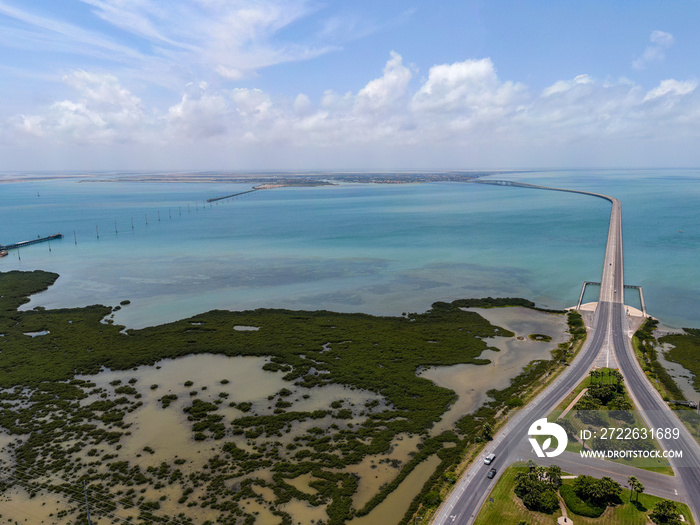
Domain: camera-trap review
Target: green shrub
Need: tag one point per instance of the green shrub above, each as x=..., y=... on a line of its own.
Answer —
x=577, y=505
x=432, y=499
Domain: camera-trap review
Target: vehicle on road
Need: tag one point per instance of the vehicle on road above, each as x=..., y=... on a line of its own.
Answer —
x=488, y=459
x=491, y=473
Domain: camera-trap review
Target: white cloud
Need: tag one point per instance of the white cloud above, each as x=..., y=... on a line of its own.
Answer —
x=252, y=103
x=471, y=86
x=233, y=39
x=661, y=39
x=562, y=86
x=30, y=125
x=135, y=16
x=229, y=73
x=197, y=116
x=168, y=43
x=45, y=34
x=333, y=100
x=104, y=91
x=656, y=51
x=671, y=88
x=463, y=106
x=105, y=112
x=302, y=104
x=383, y=92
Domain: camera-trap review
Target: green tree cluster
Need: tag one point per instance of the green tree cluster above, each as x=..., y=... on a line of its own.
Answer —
x=599, y=492
x=538, y=486
x=666, y=513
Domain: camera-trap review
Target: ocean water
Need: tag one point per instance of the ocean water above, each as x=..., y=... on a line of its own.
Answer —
x=381, y=249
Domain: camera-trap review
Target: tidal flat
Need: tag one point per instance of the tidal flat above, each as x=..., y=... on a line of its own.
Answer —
x=509, y=356
x=316, y=417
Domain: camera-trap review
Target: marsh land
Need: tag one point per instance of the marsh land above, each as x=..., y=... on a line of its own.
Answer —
x=264, y=416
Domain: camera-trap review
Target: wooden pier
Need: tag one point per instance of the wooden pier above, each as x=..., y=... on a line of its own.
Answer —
x=22, y=244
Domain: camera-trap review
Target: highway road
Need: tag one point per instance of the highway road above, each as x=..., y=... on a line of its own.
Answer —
x=609, y=323
x=651, y=406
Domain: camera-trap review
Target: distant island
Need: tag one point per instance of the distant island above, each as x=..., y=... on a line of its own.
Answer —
x=305, y=178
x=274, y=178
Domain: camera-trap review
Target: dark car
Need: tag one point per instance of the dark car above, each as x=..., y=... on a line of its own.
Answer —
x=491, y=473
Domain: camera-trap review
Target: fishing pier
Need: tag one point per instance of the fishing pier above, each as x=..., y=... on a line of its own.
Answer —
x=22, y=244
x=232, y=195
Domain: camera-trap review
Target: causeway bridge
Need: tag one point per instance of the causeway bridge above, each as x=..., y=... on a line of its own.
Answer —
x=609, y=332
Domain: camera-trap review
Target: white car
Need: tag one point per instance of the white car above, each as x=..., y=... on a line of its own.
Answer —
x=488, y=459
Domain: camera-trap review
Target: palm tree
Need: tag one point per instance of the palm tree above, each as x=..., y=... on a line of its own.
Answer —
x=636, y=486
x=554, y=476
x=640, y=489
x=618, y=379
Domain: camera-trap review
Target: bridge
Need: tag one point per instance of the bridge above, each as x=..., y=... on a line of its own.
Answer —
x=609, y=332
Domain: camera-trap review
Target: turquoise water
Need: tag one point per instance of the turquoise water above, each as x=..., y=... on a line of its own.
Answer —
x=382, y=249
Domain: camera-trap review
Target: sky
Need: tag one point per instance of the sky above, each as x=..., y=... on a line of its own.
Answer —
x=312, y=84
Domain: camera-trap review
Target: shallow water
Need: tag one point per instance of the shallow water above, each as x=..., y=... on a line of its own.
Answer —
x=303, y=513
x=168, y=434
x=471, y=382
x=374, y=474
x=167, y=430
x=302, y=483
x=16, y=506
x=392, y=509
x=373, y=248
x=525, y=321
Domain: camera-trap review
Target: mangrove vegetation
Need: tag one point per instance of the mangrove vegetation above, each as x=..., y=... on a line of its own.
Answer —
x=67, y=429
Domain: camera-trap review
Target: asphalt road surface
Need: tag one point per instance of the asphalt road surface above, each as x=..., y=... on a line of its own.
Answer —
x=661, y=485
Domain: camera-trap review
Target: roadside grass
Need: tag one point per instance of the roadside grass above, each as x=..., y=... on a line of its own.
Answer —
x=642, y=360
x=652, y=465
x=684, y=352
x=576, y=391
x=691, y=420
x=507, y=508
